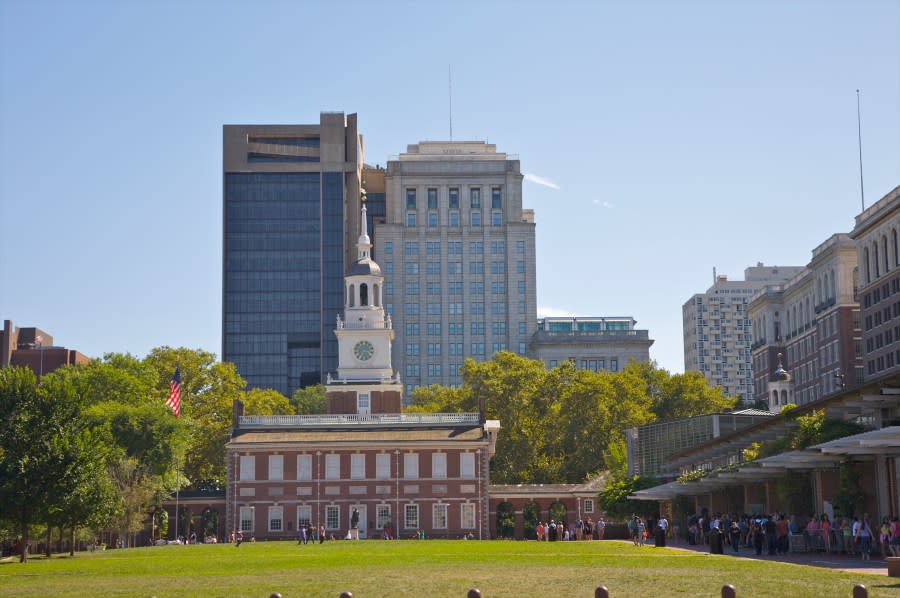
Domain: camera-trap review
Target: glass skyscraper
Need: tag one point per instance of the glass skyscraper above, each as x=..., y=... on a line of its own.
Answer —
x=290, y=200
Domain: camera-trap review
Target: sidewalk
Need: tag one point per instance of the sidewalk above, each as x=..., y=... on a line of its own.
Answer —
x=876, y=566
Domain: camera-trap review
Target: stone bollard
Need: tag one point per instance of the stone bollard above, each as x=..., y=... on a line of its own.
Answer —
x=474, y=593
x=601, y=592
x=346, y=594
x=728, y=591
x=275, y=595
x=860, y=591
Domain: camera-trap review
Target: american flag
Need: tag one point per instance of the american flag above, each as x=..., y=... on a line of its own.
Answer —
x=173, y=401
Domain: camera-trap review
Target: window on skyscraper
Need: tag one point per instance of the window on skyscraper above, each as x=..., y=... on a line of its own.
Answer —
x=496, y=198
x=454, y=198
x=475, y=198
x=432, y=199
x=410, y=199
x=475, y=217
x=432, y=219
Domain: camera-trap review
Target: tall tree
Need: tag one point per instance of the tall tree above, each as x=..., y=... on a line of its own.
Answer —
x=310, y=400
x=265, y=401
x=208, y=391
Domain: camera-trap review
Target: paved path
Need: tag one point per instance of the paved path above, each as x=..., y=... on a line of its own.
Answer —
x=875, y=566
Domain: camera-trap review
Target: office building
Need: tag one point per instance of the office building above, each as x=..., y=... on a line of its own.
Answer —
x=33, y=348
x=290, y=206
x=812, y=322
x=590, y=343
x=717, y=334
x=458, y=255
x=878, y=263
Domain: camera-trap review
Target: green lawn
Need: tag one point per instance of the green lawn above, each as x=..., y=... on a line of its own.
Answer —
x=433, y=568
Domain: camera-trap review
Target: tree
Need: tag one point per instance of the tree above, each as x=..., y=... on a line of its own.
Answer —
x=614, y=499
x=47, y=460
x=265, y=401
x=208, y=391
x=677, y=396
x=440, y=399
x=311, y=400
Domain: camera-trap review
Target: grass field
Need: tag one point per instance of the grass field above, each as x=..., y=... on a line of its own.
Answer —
x=433, y=568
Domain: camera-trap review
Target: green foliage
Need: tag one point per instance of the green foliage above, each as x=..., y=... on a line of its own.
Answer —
x=692, y=476
x=311, y=400
x=265, y=401
x=208, y=391
x=850, y=498
x=613, y=499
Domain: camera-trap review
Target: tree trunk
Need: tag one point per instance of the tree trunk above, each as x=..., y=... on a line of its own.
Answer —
x=72, y=541
x=23, y=547
x=47, y=550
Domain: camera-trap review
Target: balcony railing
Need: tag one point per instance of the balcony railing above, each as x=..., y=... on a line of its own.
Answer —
x=352, y=420
x=546, y=335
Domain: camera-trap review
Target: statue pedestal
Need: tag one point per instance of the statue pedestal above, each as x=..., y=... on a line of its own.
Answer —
x=354, y=533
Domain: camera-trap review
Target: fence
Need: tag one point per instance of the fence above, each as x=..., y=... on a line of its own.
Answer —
x=728, y=591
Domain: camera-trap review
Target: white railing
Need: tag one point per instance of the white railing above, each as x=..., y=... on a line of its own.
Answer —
x=354, y=419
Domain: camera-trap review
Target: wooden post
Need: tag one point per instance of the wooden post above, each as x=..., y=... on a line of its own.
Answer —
x=474, y=593
x=601, y=592
x=860, y=591
x=728, y=591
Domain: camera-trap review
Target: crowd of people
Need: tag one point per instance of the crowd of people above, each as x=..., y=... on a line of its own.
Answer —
x=554, y=531
x=780, y=533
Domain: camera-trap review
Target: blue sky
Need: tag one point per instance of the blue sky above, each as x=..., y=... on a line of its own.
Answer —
x=661, y=139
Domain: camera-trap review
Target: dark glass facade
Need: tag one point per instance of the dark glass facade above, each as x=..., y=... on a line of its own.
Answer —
x=283, y=276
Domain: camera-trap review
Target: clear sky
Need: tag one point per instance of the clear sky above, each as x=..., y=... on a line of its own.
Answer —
x=660, y=140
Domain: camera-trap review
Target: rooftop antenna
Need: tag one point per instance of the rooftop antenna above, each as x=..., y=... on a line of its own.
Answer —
x=862, y=192
x=450, y=94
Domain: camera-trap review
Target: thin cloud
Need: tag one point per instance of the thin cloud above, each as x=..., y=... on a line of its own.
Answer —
x=553, y=312
x=604, y=204
x=539, y=180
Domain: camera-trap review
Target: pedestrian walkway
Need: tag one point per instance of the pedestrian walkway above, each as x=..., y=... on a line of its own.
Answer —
x=875, y=566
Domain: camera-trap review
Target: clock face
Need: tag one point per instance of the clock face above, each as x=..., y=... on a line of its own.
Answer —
x=364, y=350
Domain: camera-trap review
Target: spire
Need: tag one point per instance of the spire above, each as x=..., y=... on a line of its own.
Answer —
x=364, y=244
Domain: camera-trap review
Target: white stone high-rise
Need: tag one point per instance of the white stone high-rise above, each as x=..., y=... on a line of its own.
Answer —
x=458, y=254
x=717, y=331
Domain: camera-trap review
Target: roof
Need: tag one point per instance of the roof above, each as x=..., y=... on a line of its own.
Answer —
x=383, y=435
x=364, y=268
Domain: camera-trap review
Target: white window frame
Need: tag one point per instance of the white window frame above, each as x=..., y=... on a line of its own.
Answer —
x=439, y=515
x=382, y=516
x=439, y=465
x=276, y=516
x=246, y=519
x=411, y=466
x=248, y=467
x=332, y=517
x=467, y=515
x=383, y=466
x=333, y=466
x=276, y=467
x=304, y=467
x=358, y=466
x=589, y=505
x=304, y=514
x=467, y=466
x=411, y=516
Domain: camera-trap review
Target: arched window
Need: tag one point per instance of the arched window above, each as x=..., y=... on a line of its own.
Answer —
x=363, y=294
x=877, y=263
x=833, y=287
x=531, y=516
x=819, y=296
x=884, y=250
x=868, y=271
x=376, y=295
x=351, y=295
x=774, y=399
x=896, y=247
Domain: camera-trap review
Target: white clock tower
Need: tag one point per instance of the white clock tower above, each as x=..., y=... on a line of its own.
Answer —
x=364, y=341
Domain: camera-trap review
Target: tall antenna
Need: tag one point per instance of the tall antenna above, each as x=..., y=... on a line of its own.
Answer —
x=450, y=94
x=862, y=192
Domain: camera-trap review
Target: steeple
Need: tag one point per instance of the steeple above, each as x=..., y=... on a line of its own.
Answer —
x=363, y=244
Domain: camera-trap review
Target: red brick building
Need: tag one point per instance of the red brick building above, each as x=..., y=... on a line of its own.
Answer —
x=33, y=348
